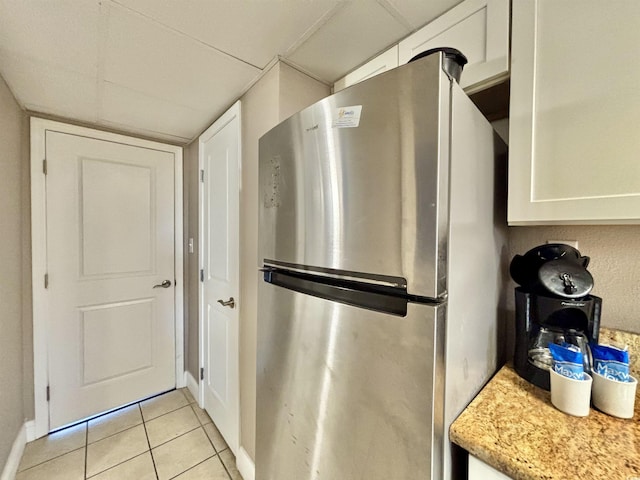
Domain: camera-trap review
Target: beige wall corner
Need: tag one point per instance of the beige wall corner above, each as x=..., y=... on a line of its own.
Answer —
x=12, y=399
x=279, y=94
x=27, y=298
x=298, y=91
x=191, y=262
x=259, y=114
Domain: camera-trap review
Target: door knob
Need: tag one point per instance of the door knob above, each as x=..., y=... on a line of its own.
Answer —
x=165, y=284
x=229, y=303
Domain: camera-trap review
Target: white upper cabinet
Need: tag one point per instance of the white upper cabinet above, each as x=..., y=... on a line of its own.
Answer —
x=480, y=30
x=574, y=136
x=383, y=62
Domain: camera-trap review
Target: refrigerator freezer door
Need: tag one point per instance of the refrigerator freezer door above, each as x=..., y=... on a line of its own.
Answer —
x=358, y=181
x=347, y=393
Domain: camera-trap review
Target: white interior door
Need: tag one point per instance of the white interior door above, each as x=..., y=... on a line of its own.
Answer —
x=219, y=160
x=110, y=240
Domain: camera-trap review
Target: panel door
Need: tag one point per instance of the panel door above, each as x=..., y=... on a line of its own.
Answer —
x=110, y=240
x=219, y=150
x=573, y=127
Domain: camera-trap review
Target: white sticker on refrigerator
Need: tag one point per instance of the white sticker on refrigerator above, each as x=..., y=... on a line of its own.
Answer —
x=347, y=117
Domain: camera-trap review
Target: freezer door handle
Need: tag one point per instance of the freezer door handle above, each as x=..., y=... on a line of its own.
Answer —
x=342, y=292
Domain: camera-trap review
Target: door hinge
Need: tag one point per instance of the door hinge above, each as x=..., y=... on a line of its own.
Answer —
x=202, y=275
x=202, y=373
x=48, y=393
x=44, y=166
x=202, y=176
x=46, y=280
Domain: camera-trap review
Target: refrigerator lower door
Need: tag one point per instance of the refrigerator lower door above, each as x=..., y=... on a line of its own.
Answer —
x=347, y=393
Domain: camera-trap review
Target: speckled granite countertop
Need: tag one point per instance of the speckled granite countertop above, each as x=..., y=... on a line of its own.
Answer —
x=512, y=426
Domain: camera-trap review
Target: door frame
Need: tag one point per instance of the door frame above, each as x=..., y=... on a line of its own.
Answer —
x=233, y=112
x=40, y=300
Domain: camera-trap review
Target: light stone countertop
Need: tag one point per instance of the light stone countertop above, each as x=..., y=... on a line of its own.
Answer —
x=512, y=426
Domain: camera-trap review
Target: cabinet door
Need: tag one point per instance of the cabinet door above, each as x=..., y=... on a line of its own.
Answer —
x=383, y=62
x=575, y=113
x=478, y=470
x=480, y=30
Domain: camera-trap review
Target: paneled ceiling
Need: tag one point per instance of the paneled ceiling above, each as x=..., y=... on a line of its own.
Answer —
x=168, y=68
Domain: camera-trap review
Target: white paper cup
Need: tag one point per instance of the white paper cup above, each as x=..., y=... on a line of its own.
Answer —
x=614, y=397
x=569, y=395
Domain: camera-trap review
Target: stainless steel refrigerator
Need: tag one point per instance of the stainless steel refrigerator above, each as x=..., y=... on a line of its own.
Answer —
x=382, y=242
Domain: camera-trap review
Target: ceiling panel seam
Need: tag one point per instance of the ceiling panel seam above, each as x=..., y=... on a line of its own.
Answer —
x=322, y=21
x=395, y=13
x=179, y=32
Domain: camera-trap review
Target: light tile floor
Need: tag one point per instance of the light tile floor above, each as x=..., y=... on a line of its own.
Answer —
x=162, y=438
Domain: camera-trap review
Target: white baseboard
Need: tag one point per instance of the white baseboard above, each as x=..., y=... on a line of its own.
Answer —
x=181, y=381
x=13, y=462
x=245, y=465
x=30, y=426
x=192, y=385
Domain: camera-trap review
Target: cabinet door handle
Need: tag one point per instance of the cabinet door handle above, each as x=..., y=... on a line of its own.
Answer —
x=229, y=303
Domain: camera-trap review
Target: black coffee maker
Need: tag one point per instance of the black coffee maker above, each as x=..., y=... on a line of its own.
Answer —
x=553, y=305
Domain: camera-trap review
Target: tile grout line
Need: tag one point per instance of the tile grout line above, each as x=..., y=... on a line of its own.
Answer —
x=136, y=425
x=215, y=449
x=126, y=459
x=215, y=453
x=114, y=434
x=109, y=412
x=114, y=466
x=165, y=413
x=195, y=405
x=224, y=466
x=193, y=409
x=208, y=438
x=48, y=460
x=132, y=426
x=138, y=404
x=218, y=452
x=144, y=425
x=181, y=435
x=199, y=463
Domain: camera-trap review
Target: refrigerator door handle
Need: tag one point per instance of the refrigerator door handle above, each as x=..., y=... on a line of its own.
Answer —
x=336, y=275
x=343, y=292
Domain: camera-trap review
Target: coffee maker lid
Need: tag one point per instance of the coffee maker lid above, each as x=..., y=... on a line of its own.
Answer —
x=524, y=269
x=565, y=278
